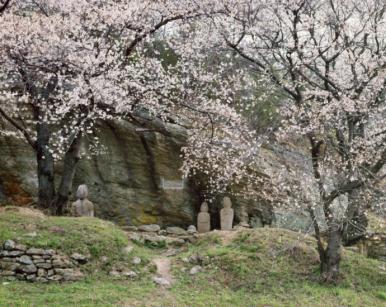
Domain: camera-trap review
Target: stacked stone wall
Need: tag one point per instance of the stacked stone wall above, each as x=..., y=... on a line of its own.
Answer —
x=38, y=265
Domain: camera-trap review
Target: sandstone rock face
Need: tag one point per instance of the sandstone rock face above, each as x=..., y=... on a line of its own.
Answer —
x=135, y=180
x=125, y=181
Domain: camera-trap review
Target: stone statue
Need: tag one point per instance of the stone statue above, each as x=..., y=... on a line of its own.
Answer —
x=82, y=207
x=203, y=219
x=226, y=214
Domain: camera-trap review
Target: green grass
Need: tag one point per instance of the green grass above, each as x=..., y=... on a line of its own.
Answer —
x=273, y=267
x=262, y=267
x=87, y=235
x=90, y=292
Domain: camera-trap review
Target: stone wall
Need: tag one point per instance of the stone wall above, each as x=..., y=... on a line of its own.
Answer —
x=38, y=265
x=374, y=246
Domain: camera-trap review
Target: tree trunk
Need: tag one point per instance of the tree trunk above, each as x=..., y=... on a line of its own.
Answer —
x=70, y=162
x=45, y=161
x=330, y=260
x=355, y=224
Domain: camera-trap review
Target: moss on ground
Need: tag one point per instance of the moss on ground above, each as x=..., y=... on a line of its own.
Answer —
x=262, y=267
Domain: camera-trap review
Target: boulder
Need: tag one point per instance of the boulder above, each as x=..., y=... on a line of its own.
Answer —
x=35, y=251
x=129, y=274
x=9, y=245
x=149, y=228
x=194, y=270
x=25, y=260
x=136, y=260
x=31, y=268
x=82, y=259
x=192, y=229
x=176, y=231
x=161, y=281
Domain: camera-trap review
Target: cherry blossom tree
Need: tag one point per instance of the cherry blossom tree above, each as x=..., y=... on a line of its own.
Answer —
x=329, y=60
x=64, y=65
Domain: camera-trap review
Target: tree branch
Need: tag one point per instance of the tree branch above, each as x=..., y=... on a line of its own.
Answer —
x=4, y=6
x=19, y=127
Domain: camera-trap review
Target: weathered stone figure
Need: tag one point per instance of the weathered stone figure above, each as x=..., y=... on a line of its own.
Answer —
x=203, y=219
x=226, y=214
x=82, y=207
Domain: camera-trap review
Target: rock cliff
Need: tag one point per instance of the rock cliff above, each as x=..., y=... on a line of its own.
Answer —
x=136, y=179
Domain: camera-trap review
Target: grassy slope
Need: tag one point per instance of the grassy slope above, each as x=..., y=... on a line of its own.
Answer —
x=265, y=267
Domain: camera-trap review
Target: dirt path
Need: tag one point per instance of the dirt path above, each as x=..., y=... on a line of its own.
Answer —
x=163, y=268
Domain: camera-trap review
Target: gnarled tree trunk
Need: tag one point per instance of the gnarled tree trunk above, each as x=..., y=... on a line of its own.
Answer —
x=70, y=162
x=330, y=258
x=45, y=161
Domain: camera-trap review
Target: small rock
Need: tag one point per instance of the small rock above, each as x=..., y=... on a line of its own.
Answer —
x=7, y=259
x=135, y=237
x=31, y=277
x=44, y=265
x=9, y=266
x=175, y=241
x=50, y=272
x=31, y=234
x=20, y=247
x=61, y=262
x=49, y=252
x=136, y=260
x=35, y=251
x=42, y=272
x=42, y=279
x=7, y=273
x=162, y=232
x=192, y=229
x=130, y=228
x=13, y=253
x=104, y=259
x=29, y=268
x=82, y=259
x=55, y=278
x=149, y=228
x=195, y=259
x=128, y=249
x=194, y=270
x=130, y=274
x=72, y=275
x=25, y=260
x=161, y=281
x=154, y=238
x=172, y=252
x=176, y=231
x=9, y=245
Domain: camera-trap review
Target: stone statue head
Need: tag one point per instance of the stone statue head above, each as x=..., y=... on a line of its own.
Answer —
x=204, y=207
x=227, y=202
x=82, y=192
